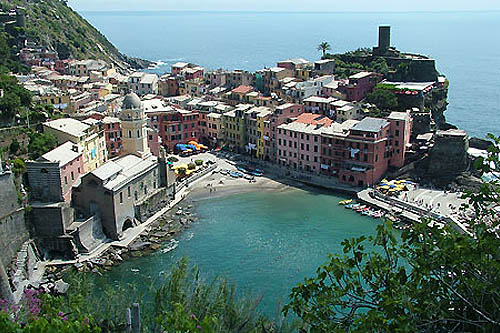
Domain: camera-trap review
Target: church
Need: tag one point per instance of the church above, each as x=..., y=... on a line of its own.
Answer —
x=126, y=190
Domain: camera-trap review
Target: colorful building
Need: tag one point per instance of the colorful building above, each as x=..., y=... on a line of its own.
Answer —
x=52, y=176
x=90, y=139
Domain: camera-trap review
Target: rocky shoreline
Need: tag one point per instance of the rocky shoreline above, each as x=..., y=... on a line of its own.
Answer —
x=160, y=233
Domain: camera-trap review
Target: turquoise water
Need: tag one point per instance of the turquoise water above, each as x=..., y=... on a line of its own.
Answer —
x=265, y=242
x=465, y=45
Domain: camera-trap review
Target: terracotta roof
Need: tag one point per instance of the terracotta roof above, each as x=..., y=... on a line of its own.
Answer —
x=313, y=119
x=242, y=90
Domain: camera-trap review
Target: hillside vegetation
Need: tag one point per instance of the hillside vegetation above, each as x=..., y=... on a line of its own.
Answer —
x=54, y=24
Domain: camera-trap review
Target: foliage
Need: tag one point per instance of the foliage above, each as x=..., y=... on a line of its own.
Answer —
x=19, y=167
x=54, y=24
x=191, y=166
x=36, y=314
x=179, y=320
x=323, y=47
x=181, y=172
x=198, y=162
x=182, y=303
x=40, y=143
x=383, y=98
x=15, y=97
x=428, y=280
x=213, y=304
x=14, y=147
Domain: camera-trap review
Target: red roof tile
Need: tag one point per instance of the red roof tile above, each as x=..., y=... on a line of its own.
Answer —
x=314, y=119
x=242, y=90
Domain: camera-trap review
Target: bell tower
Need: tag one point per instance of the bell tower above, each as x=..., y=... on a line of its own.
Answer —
x=133, y=121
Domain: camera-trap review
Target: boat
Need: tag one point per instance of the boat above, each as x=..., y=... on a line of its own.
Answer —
x=234, y=174
x=366, y=212
x=355, y=206
x=349, y=206
x=223, y=172
x=361, y=208
x=345, y=202
x=257, y=173
x=378, y=214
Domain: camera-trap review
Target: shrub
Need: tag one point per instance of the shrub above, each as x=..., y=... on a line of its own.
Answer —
x=191, y=166
x=19, y=166
x=198, y=162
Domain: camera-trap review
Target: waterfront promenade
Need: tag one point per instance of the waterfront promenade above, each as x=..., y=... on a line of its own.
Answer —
x=441, y=207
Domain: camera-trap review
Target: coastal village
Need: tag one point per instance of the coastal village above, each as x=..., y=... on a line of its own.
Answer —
x=130, y=145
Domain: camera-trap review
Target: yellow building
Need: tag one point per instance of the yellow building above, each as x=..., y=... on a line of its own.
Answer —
x=91, y=140
x=235, y=127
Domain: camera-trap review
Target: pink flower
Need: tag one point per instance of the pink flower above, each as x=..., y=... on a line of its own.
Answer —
x=198, y=327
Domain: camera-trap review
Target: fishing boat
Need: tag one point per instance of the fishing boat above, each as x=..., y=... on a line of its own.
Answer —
x=378, y=214
x=349, y=206
x=345, y=202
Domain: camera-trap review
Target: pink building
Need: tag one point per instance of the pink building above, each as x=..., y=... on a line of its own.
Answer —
x=154, y=141
x=52, y=176
x=299, y=142
x=401, y=125
x=113, y=134
x=360, y=85
x=360, y=152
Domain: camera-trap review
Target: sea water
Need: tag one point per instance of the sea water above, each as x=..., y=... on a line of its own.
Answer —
x=263, y=242
x=465, y=45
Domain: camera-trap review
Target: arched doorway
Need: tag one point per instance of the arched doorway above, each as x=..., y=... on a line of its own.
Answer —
x=127, y=225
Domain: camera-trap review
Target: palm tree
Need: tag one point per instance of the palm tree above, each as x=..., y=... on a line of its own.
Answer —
x=323, y=47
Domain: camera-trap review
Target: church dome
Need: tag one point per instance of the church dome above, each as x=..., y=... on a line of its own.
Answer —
x=131, y=101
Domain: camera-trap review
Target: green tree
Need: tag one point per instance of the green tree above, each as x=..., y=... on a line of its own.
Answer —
x=14, y=147
x=383, y=98
x=323, y=47
x=19, y=166
x=40, y=143
x=427, y=280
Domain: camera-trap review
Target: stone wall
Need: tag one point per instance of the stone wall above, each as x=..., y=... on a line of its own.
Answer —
x=153, y=204
x=13, y=228
x=448, y=157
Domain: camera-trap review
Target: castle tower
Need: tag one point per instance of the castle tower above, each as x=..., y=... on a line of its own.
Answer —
x=133, y=121
x=384, y=37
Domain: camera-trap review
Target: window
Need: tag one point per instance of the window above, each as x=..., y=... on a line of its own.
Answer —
x=121, y=197
x=315, y=149
x=129, y=134
x=66, y=180
x=72, y=175
x=397, y=133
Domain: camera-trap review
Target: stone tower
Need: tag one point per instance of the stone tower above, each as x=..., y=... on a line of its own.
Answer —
x=133, y=121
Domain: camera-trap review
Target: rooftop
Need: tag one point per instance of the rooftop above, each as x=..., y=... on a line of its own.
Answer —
x=360, y=75
x=68, y=125
x=302, y=128
x=399, y=116
x=313, y=119
x=369, y=124
x=242, y=90
x=419, y=86
x=63, y=154
x=318, y=99
x=118, y=172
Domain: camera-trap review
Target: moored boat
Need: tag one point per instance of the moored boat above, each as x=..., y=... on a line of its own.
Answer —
x=345, y=202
